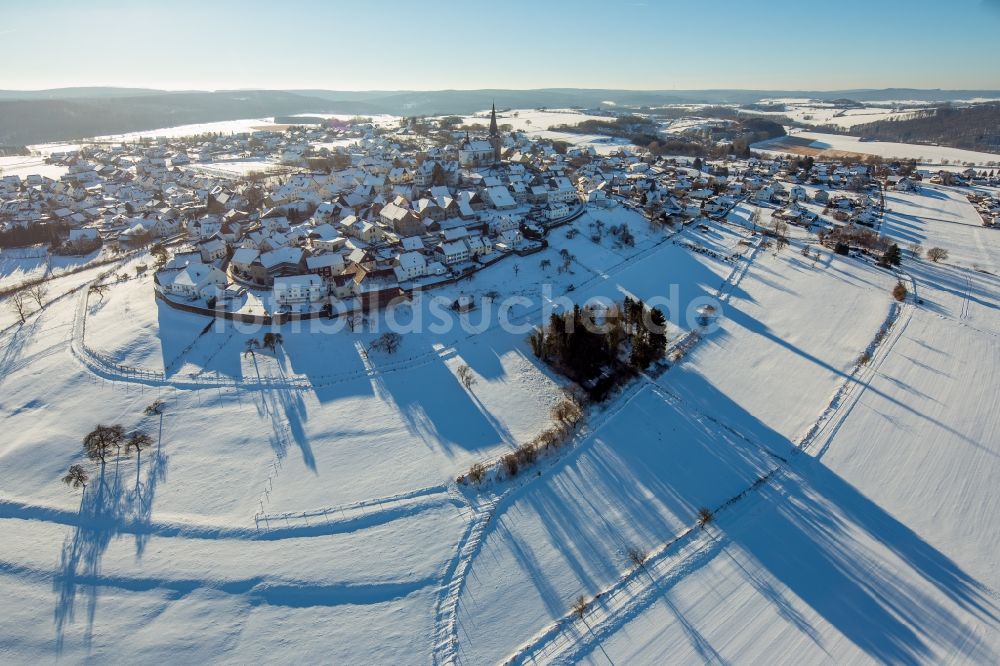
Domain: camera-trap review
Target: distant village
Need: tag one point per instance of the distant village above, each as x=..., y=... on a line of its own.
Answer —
x=359, y=214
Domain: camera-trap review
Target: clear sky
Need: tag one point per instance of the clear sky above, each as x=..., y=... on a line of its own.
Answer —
x=429, y=44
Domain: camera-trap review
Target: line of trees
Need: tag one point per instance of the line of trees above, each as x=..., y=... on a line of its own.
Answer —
x=854, y=236
x=50, y=233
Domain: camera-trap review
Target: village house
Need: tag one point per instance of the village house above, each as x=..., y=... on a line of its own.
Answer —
x=212, y=249
x=196, y=280
x=295, y=289
x=325, y=265
x=283, y=262
x=403, y=221
x=452, y=252
x=410, y=265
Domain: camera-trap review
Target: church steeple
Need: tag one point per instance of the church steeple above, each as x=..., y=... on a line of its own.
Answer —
x=494, y=135
x=493, y=121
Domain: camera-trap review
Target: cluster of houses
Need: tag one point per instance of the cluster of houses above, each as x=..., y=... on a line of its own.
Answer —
x=988, y=208
x=363, y=214
x=966, y=178
x=680, y=191
x=366, y=234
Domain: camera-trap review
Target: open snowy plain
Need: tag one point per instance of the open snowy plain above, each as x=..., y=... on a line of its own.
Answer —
x=302, y=505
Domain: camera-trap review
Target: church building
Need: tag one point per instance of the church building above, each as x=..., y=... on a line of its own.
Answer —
x=481, y=152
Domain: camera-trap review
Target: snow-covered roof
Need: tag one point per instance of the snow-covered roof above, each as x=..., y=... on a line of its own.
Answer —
x=326, y=260
x=283, y=255
x=304, y=281
x=412, y=260
x=244, y=255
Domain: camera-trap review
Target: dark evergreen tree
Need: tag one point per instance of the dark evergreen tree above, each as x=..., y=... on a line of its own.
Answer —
x=892, y=256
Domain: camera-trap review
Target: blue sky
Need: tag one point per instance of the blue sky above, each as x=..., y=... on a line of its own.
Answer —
x=427, y=45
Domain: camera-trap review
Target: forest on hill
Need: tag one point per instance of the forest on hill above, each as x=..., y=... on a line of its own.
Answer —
x=975, y=127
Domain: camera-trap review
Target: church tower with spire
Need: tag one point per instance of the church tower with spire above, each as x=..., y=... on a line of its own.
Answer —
x=494, y=135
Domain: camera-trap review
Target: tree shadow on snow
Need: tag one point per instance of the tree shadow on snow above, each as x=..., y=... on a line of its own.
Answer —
x=438, y=409
x=113, y=504
x=807, y=534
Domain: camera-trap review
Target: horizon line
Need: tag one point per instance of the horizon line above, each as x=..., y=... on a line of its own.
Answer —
x=539, y=89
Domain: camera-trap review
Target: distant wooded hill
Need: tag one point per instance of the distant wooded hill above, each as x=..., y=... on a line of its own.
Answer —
x=975, y=127
x=71, y=113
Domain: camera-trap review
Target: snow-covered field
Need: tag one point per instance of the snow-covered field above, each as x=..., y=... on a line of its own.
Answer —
x=880, y=544
x=942, y=217
x=177, y=131
x=236, y=168
x=18, y=265
x=532, y=120
x=818, y=113
x=819, y=143
x=301, y=504
x=221, y=127
x=30, y=165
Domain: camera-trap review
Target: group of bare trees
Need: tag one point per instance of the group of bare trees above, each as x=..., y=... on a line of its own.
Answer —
x=106, y=440
x=20, y=301
x=271, y=341
x=779, y=230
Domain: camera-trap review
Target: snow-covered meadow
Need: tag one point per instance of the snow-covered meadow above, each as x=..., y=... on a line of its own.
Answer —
x=820, y=143
x=301, y=504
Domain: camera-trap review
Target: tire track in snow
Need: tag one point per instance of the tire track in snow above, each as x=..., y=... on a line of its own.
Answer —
x=363, y=515
x=445, y=638
x=400, y=505
x=258, y=590
x=847, y=395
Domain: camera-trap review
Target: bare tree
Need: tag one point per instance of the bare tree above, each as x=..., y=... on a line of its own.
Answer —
x=137, y=440
x=155, y=407
x=580, y=607
x=38, y=293
x=387, y=342
x=566, y=412
x=937, y=254
x=466, y=376
x=916, y=249
x=99, y=289
x=98, y=443
x=780, y=230
x=637, y=556
x=160, y=254
x=272, y=340
x=19, y=305
x=704, y=516
x=477, y=472
x=76, y=477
